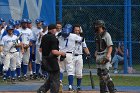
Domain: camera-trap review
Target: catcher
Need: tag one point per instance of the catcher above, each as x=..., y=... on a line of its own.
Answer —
x=103, y=56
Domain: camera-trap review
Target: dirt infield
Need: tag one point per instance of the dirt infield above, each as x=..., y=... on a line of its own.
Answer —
x=70, y=92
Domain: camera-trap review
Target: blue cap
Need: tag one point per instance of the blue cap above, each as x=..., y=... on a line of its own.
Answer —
x=10, y=27
x=17, y=22
x=45, y=24
x=11, y=21
x=37, y=21
x=24, y=20
x=2, y=20
x=29, y=21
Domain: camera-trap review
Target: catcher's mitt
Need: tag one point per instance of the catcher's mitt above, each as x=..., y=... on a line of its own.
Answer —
x=104, y=61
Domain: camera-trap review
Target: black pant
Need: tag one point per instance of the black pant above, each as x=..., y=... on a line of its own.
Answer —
x=52, y=83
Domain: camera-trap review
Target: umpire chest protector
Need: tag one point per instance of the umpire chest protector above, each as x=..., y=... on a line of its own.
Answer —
x=100, y=42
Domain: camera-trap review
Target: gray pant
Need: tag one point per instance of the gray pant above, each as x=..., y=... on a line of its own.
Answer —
x=51, y=83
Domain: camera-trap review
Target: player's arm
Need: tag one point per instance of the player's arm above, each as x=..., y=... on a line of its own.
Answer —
x=109, y=45
x=86, y=50
x=19, y=44
x=55, y=48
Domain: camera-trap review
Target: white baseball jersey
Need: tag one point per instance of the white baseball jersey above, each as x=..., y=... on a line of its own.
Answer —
x=79, y=47
x=1, y=33
x=68, y=44
x=26, y=35
x=37, y=35
x=8, y=43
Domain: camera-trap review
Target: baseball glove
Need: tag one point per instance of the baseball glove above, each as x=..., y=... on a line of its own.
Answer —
x=104, y=61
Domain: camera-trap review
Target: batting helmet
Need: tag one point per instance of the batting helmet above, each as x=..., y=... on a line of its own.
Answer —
x=99, y=23
x=69, y=26
x=65, y=32
x=10, y=27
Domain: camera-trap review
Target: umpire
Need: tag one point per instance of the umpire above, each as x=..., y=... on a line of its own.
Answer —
x=50, y=51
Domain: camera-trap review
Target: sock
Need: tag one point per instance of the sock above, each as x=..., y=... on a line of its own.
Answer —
x=1, y=68
x=37, y=68
x=79, y=82
x=61, y=76
x=18, y=71
x=4, y=74
x=25, y=69
x=33, y=66
x=8, y=74
x=13, y=74
x=22, y=67
x=70, y=79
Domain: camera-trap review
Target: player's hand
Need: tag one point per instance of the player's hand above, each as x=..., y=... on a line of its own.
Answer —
x=63, y=56
x=88, y=56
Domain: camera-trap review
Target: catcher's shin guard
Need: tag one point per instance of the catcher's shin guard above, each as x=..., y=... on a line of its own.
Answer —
x=102, y=86
x=110, y=86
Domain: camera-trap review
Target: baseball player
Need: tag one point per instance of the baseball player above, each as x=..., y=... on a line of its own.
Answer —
x=67, y=43
x=58, y=27
x=1, y=32
x=78, y=52
x=3, y=23
x=26, y=37
x=18, y=65
x=32, y=52
x=103, y=56
x=37, y=34
x=10, y=42
x=17, y=24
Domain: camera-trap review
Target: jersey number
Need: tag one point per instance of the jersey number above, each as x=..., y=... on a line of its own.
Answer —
x=66, y=42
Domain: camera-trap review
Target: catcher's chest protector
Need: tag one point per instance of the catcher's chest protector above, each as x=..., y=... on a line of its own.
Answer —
x=100, y=42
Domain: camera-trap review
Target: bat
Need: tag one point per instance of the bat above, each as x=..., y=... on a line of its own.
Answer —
x=91, y=77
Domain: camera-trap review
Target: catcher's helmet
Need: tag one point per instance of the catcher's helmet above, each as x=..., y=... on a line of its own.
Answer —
x=99, y=23
x=10, y=27
x=66, y=32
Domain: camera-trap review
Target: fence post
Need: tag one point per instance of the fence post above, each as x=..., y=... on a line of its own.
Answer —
x=129, y=31
x=60, y=10
x=125, y=35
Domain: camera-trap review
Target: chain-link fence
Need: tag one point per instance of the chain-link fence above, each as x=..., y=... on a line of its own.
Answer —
x=113, y=12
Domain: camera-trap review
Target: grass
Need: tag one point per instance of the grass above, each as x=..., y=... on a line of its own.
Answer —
x=118, y=80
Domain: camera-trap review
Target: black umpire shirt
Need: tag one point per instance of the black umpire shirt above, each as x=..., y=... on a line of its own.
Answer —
x=48, y=43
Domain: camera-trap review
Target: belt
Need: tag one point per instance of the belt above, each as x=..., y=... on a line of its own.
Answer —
x=13, y=52
x=69, y=52
x=77, y=54
x=101, y=53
